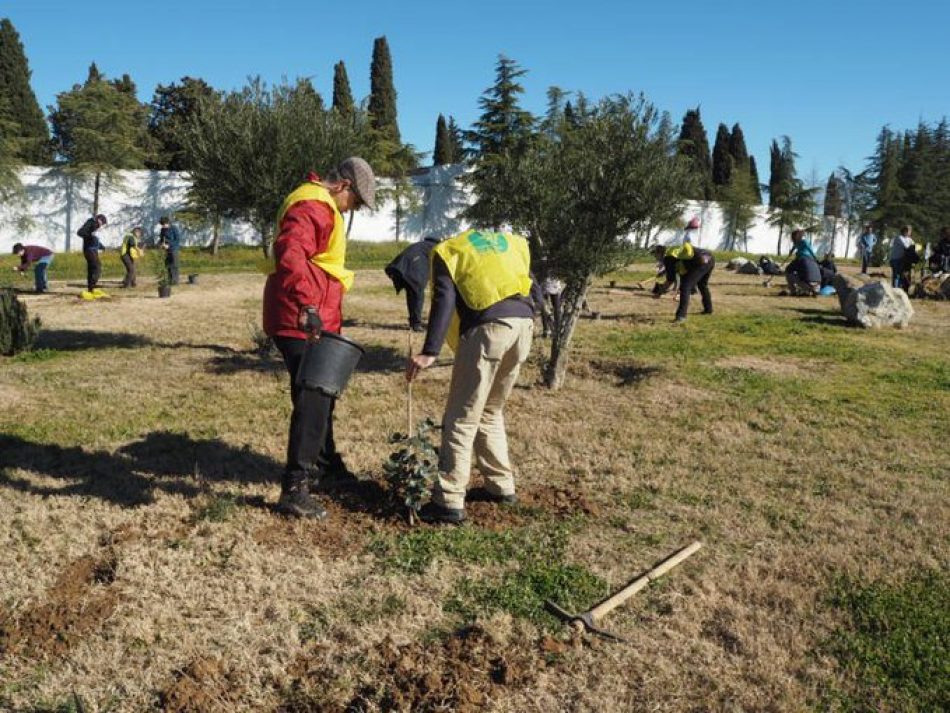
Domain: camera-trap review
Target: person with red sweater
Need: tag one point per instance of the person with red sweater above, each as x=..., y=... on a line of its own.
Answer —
x=34, y=255
x=302, y=297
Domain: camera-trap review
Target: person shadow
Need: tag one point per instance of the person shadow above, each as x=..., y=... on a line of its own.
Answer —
x=162, y=461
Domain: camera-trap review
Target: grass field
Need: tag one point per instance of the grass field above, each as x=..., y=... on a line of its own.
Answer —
x=143, y=568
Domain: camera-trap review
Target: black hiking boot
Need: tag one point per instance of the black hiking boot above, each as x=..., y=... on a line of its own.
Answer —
x=295, y=499
x=438, y=515
x=334, y=475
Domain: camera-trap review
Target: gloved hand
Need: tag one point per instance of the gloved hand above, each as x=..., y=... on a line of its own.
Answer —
x=310, y=321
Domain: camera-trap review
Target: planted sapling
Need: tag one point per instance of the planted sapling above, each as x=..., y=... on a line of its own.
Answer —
x=412, y=467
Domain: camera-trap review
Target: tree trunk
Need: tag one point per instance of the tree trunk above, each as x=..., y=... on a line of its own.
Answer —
x=834, y=233
x=215, y=234
x=562, y=333
x=847, y=241
x=95, y=195
x=781, y=227
x=266, y=244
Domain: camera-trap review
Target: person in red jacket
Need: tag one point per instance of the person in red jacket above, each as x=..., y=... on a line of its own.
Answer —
x=303, y=296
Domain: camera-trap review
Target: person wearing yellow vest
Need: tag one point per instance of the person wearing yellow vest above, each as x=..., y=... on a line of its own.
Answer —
x=129, y=252
x=302, y=297
x=693, y=266
x=483, y=305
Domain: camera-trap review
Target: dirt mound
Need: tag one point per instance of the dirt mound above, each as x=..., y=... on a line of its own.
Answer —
x=77, y=604
x=461, y=673
x=203, y=686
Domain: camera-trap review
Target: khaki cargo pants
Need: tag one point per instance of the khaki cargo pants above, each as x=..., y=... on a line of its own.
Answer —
x=486, y=367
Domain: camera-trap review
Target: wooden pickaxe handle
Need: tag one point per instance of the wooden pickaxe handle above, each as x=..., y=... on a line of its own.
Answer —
x=615, y=600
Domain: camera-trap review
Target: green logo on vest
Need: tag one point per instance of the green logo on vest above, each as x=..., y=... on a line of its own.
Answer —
x=489, y=242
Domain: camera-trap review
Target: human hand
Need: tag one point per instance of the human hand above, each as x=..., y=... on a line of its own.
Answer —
x=417, y=363
x=309, y=321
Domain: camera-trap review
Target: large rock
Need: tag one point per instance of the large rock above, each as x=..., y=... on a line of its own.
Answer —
x=749, y=268
x=875, y=304
x=736, y=263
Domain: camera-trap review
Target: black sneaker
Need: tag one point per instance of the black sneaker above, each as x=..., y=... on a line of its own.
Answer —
x=297, y=502
x=335, y=475
x=434, y=513
x=417, y=328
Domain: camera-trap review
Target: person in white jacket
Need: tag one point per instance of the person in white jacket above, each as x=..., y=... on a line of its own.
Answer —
x=902, y=247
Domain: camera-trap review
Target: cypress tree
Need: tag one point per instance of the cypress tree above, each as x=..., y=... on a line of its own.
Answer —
x=722, y=160
x=756, y=183
x=737, y=148
x=694, y=144
x=342, y=95
x=382, y=96
x=442, y=153
x=20, y=106
x=832, y=207
x=173, y=105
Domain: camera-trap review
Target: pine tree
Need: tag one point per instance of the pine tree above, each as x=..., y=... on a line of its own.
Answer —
x=442, y=153
x=342, y=95
x=98, y=129
x=94, y=75
x=458, y=141
x=382, y=97
x=756, y=183
x=21, y=109
x=694, y=144
x=126, y=85
x=498, y=138
x=722, y=161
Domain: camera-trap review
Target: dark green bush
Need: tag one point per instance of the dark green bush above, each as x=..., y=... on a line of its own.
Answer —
x=17, y=330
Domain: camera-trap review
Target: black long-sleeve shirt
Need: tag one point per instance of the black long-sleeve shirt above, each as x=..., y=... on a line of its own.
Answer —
x=90, y=241
x=446, y=299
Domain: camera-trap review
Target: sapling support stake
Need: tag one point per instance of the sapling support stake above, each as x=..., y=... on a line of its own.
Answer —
x=409, y=385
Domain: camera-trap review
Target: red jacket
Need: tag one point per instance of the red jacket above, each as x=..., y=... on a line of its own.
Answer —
x=297, y=282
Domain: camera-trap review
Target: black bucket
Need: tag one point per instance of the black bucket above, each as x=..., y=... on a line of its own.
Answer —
x=328, y=363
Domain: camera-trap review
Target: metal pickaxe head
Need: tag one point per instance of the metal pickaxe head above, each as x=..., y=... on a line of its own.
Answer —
x=583, y=621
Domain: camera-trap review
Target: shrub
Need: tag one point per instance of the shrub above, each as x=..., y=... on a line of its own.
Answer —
x=17, y=331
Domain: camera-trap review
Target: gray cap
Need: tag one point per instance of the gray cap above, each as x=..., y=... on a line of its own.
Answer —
x=361, y=177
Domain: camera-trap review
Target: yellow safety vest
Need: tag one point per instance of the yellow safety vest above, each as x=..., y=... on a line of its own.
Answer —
x=681, y=253
x=129, y=248
x=486, y=269
x=332, y=260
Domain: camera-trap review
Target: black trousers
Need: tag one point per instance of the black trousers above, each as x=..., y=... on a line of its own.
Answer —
x=698, y=277
x=310, y=444
x=415, y=301
x=129, y=280
x=171, y=264
x=93, y=268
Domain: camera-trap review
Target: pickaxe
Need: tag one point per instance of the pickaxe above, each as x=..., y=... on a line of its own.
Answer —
x=590, y=619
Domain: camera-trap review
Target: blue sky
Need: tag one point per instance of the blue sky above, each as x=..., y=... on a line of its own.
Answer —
x=827, y=74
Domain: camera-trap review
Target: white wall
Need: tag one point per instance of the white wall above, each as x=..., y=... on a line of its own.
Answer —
x=57, y=205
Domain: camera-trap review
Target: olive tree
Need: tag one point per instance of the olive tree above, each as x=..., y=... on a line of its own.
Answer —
x=583, y=189
x=248, y=150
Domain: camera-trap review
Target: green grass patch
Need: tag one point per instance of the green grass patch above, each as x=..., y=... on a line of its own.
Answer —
x=522, y=593
x=414, y=551
x=216, y=508
x=895, y=643
x=36, y=356
x=230, y=258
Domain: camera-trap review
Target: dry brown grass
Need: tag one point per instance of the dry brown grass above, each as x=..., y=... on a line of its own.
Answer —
x=151, y=439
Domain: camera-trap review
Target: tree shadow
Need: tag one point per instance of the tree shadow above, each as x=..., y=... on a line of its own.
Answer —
x=627, y=374
x=162, y=461
x=378, y=359
x=245, y=361
x=71, y=340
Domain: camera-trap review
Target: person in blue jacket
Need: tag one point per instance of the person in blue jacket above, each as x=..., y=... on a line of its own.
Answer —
x=866, y=242
x=803, y=274
x=170, y=241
